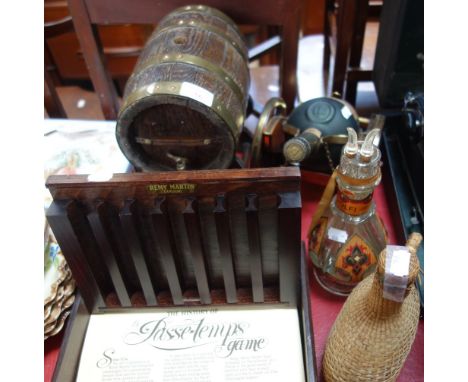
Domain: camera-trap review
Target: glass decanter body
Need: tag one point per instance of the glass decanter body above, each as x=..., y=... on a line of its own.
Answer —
x=345, y=243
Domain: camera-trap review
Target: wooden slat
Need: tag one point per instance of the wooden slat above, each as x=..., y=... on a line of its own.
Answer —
x=192, y=225
x=128, y=225
x=268, y=227
x=264, y=47
x=73, y=339
x=375, y=8
x=107, y=253
x=278, y=177
x=239, y=239
x=94, y=57
x=306, y=314
x=58, y=27
x=357, y=74
x=52, y=102
x=163, y=235
x=289, y=54
x=362, y=11
x=225, y=249
x=57, y=216
x=120, y=250
x=289, y=245
x=255, y=257
x=345, y=23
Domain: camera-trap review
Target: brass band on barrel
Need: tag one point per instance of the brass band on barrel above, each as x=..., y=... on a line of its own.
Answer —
x=196, y=61
x=173, y=88
x=204, y=10
x=201, y=26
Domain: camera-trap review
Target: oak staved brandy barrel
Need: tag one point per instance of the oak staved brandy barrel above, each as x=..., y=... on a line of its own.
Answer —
x=185, y=102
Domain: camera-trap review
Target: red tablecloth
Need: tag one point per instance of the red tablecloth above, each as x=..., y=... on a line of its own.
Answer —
x=325, y=306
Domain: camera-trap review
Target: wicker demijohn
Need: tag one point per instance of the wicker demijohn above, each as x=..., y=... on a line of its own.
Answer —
x=372, y=336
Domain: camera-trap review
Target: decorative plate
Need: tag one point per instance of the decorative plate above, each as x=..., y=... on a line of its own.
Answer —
x=55, y=268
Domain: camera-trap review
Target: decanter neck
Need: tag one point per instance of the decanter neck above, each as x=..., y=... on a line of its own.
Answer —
x=359, y=170
x=350, y=205
x=357, y=188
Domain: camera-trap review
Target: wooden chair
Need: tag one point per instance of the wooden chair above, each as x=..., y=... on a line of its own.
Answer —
x=52, y=102
x=87, y=14
x=345, y=23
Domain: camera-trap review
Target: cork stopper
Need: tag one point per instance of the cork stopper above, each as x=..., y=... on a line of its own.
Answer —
x=412, y=244
x=299, y=148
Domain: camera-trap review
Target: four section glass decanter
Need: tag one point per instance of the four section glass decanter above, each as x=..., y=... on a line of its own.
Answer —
x=346, y=241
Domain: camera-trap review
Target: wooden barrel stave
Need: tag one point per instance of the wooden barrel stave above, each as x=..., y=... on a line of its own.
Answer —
x=161, y=123
x=181, y=72
x=208, y=22
x=225, y=60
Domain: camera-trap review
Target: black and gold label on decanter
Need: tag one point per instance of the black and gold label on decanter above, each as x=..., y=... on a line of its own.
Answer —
x=353, y=207
x=354, y=259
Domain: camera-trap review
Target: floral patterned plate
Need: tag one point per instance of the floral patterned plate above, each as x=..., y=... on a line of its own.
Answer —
x=71, y=147
x=55, y=268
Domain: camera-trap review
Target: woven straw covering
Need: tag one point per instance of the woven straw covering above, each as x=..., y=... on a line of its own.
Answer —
x=372, y=336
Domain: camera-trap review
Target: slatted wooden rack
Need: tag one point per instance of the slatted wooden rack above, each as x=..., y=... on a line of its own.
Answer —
x=182, y=238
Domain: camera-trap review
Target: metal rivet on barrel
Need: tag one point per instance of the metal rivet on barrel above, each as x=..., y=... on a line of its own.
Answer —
x=200, y=7
x=181, y=22
x=180, y=40
x=188, y=8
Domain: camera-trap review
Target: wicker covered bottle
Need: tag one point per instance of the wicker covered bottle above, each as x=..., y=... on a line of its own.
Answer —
x=373, y=335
